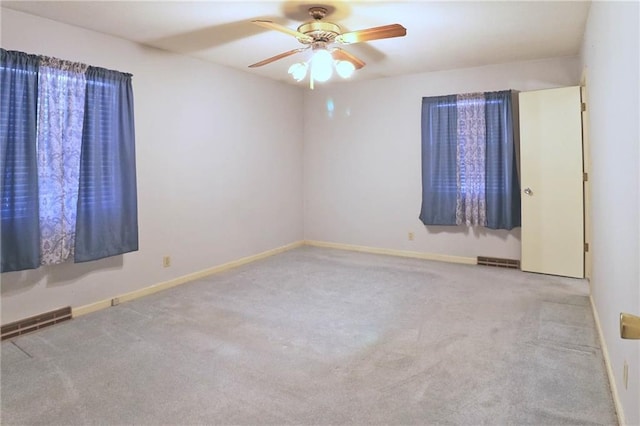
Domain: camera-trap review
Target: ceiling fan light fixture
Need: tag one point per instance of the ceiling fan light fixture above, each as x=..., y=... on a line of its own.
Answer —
x=319, y=35
x=345, y=69
x=298, y=71
x=321, y=65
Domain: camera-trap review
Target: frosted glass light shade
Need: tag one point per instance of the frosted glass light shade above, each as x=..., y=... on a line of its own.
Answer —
x=322, y=65
x=345, y=69
x=298, y=71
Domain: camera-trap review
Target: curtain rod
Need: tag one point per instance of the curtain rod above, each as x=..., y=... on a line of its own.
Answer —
x=39, y=56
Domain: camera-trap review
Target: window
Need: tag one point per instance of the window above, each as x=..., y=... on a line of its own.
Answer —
x=99, y=155
x=468, y=161
x=68, y=162
x=18, y=122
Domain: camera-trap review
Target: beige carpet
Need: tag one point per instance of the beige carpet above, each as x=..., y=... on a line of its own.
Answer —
x=318, y=336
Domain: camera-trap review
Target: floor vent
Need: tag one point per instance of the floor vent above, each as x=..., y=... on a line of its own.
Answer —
x=36, y=322
x=500, y=263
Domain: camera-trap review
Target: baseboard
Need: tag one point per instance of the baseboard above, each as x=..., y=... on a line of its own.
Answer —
x=93, y=307
x=607, y=362
x=392, y=252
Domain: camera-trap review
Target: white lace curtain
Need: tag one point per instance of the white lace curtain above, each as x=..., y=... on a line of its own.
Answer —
x=61, y=101
x=471, y=208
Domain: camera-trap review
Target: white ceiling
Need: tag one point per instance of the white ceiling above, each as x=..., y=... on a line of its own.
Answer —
x=440, y=35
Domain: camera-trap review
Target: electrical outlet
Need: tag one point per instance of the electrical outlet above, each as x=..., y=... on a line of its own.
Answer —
x=115, y=301
x=410, y=236
x=166, y=261
x=625, y=374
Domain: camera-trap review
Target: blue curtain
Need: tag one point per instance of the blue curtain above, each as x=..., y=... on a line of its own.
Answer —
x=20, y=233
x=502, y=184
x=442, y=139
x=439, y=147
x=107, y=221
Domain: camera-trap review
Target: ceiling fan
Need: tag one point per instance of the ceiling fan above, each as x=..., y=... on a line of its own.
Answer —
x=318, y=36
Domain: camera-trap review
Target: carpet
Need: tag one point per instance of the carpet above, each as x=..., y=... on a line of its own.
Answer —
x=321, y=336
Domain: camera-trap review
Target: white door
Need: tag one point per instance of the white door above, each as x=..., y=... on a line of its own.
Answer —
x=551, y=181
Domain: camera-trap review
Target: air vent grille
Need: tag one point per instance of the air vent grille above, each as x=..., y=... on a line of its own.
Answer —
x=36, y=322
x=498, y=262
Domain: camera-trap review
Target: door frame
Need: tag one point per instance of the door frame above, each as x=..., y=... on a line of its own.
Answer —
x=586, y=184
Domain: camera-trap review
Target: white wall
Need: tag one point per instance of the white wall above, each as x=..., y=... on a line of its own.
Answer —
x=362, y=165
x=219, y=162
x=611, y=57
x=220, y=168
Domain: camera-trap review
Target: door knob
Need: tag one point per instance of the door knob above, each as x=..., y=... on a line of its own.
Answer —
x=629, y=326
x=528, y=191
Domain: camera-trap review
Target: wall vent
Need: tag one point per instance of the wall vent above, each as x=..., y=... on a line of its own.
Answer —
x=500, y=263
x=36, y=322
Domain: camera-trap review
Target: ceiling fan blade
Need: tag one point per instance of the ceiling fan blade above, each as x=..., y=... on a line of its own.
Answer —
x=273, y=26
x=342, y=55
x=275, y=58
x=376, y=33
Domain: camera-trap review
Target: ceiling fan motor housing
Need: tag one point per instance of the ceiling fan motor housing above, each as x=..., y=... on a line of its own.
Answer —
x=320, y=31
x=317, y=35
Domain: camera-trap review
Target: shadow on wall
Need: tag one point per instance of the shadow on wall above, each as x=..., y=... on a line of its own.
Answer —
x=477, y=231
x=55, y=275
